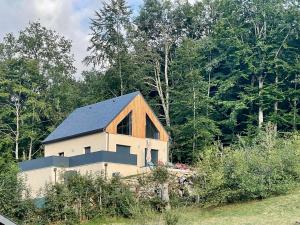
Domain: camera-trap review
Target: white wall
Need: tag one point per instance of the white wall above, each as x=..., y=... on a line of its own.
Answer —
x=104, y=141
x=75, y=146
x=36, y=180
x=138, y=146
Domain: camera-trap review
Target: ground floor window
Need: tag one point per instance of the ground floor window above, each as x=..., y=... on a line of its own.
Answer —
x=153, y=156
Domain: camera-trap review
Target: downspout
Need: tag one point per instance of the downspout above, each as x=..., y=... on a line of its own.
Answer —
x=55, y=170
x=107, y=141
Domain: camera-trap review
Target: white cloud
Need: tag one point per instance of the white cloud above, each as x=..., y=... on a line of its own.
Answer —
x=70, y=18
x=67, y=17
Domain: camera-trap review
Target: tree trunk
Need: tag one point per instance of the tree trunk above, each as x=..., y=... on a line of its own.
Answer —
x=208, y=91
x=276, y=106
x=167, y=91
x=30, y=149
x=17, y=136
x=121, y=78
x=295, y=115
x=194, y=120
x=119, y=56
x=165, y=195
x=260, y=109
x=164, y=97
x=295, y=102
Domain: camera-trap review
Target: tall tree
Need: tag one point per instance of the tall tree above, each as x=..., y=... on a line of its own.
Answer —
x=193, y=127
x=37, y=87
x=157, y=28
x=108, y=43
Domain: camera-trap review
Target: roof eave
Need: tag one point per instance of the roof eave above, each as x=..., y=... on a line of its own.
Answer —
x=73, y=136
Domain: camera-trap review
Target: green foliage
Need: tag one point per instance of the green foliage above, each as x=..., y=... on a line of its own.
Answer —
x=14, y=201
x=120, y=198
x=171, y=218
x=256, y=169
x=222, y=55
x=58, y=205
x=210, y=67
x=160, y=174
x=206, y=69
x=109, y=42
x=36, y=88
x=83, y=197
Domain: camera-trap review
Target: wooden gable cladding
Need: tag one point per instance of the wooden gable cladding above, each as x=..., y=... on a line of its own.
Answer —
x=139, y=108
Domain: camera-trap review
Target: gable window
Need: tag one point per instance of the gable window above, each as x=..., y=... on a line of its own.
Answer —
x=87, y=150
x=125, y=126
x=151, y=130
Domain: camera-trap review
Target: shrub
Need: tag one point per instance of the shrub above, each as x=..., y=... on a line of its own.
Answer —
x=13, y=193
x=250, y=169
x=120, y=198
x=160, y=174
x=83, y=197
x=59, y=205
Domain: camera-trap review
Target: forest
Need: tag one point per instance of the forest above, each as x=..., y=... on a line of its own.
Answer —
x=212, y=71
x=223, y=76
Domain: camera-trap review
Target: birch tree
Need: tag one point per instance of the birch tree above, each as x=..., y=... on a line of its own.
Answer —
x=108, y=43
x=36, y=77
x=157, y=28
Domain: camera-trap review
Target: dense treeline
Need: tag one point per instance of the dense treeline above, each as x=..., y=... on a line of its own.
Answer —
x=212, y=70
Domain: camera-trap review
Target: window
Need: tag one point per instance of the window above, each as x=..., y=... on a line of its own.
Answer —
x=87, y=150
x=61, y=154
x=151, y=130
x=123, y=149
x=154, y=156
x=125, y=126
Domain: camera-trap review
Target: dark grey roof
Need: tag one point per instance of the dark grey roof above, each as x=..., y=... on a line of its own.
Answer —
x=91, y=118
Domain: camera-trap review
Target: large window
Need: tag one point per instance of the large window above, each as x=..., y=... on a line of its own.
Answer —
x=125, y=126
x=151, y=130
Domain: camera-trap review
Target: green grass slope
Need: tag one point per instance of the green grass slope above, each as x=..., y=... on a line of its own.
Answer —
x=279, y=210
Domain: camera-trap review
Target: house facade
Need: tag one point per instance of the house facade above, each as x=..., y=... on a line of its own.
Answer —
x=117, y=136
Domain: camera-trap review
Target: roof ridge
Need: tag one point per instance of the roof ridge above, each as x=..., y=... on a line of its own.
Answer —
x=109, y=99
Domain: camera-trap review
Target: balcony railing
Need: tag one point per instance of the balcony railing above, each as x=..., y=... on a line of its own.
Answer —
x=122, y=157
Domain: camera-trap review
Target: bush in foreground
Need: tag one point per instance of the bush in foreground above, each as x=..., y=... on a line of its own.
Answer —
x=250, y=169
x=83, y=197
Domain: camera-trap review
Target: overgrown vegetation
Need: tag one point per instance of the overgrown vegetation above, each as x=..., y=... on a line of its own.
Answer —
x=82, y=197
x=15, y=200
x=250, y=169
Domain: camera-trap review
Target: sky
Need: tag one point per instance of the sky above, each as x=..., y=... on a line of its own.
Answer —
x=69, y=18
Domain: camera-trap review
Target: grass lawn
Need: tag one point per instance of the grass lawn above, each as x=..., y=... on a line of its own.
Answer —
x=279, y=210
